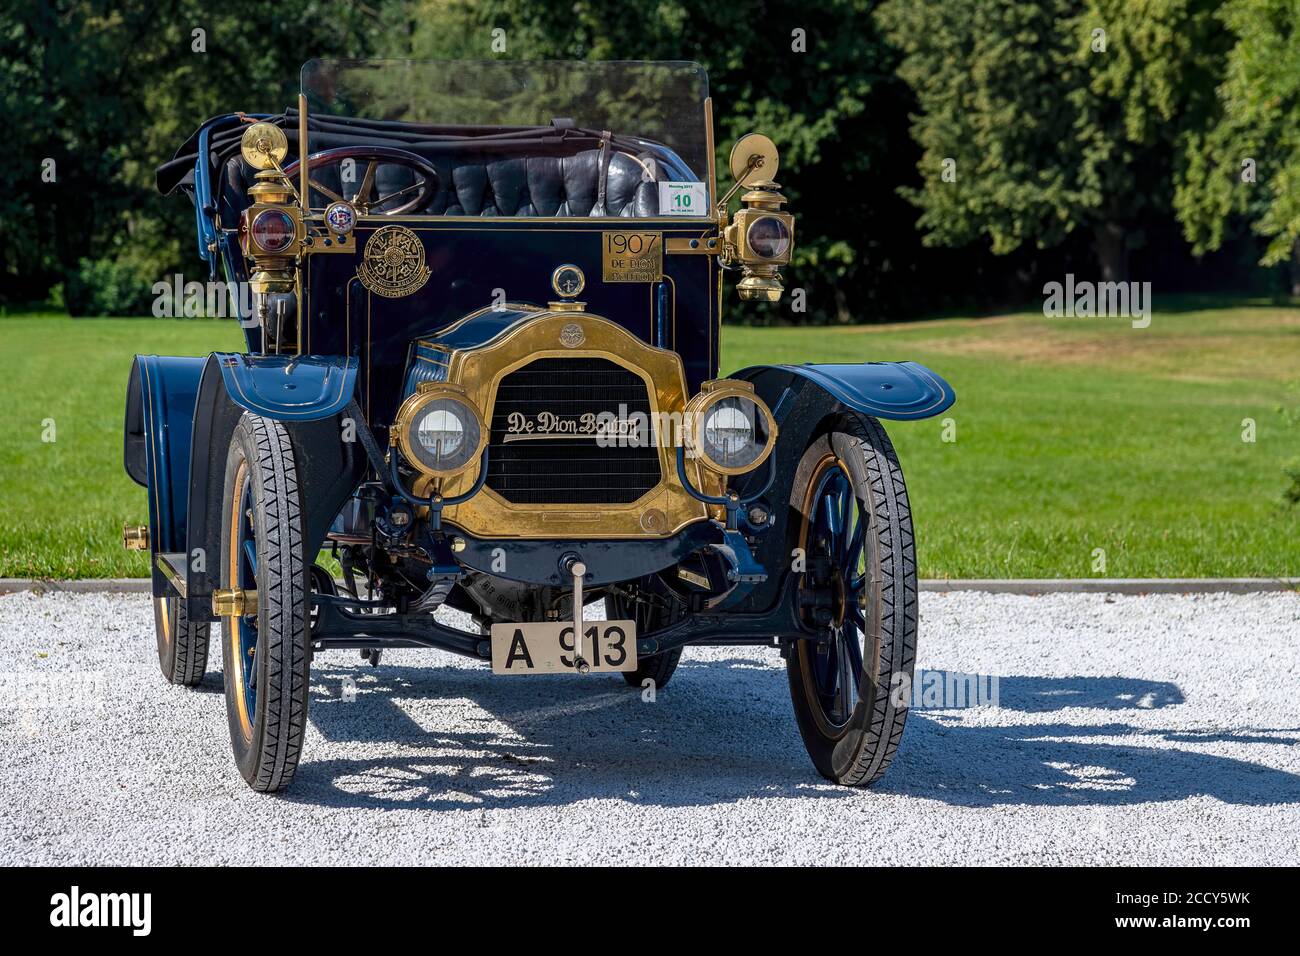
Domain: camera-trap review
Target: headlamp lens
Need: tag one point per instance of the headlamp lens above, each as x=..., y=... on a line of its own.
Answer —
x=769, y=237
x=445, y=435
x=734, y=433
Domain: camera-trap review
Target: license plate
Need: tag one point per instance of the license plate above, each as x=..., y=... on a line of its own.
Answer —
x=547, y=647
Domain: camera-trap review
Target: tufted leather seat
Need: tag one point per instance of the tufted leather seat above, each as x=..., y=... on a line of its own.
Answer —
x=484, y=184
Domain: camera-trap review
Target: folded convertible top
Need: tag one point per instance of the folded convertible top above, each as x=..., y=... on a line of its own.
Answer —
x=327, y=132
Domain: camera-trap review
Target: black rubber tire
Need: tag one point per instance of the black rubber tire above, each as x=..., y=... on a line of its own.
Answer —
x=268, y=743
x=658, y=667
x=182, y=644
x=860, y=752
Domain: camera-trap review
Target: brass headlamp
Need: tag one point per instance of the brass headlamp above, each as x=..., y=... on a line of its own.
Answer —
x=729, y=427
x=761, y=237
x=271, y=229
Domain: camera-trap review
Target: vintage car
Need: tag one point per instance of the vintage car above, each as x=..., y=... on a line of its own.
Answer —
x=481, y=377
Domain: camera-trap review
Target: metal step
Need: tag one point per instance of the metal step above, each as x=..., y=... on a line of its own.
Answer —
x=172, y=565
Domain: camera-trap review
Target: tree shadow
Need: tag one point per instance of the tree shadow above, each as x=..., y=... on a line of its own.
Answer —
x=1033, y=695
x=1062, y=764
x=723, y=731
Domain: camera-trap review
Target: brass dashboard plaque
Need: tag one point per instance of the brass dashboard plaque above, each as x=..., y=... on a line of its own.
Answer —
x=392, y=264
x=632, y=256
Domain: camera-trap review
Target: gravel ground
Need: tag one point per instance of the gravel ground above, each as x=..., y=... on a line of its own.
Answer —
x=1156, y=730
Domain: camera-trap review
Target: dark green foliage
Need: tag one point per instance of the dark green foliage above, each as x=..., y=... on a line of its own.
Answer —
x=1052, y=117
x=108, y=287
x=1246, y=162
x=109, y=90
x=1064, y=156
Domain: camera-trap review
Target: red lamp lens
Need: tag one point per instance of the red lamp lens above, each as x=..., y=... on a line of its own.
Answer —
x=272, y=230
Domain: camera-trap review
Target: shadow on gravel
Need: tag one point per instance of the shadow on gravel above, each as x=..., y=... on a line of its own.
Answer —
x=1079, y=765
x=722, y=731
x=1034, y=695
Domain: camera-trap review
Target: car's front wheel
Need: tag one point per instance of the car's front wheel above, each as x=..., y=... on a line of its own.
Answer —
x=858, y=589
x=265, y=651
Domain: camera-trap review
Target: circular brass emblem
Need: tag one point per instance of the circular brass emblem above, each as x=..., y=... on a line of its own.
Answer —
x=393, y=263
x=654, y=521
x=571, y=336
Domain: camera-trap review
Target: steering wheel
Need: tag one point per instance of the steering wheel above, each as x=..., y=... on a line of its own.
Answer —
x=368, y=198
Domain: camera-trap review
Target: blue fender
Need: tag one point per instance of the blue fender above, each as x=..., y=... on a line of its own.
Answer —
x=902, y=391
x=160, y=398
x=180, y=412
x=288, y=388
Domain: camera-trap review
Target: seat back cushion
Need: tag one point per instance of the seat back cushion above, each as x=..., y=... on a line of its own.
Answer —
x=493, y=185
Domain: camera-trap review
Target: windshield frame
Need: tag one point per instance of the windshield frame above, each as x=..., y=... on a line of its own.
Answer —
x=704, y=169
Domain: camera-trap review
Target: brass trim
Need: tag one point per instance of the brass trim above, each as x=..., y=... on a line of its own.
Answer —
x=555, y=280
x=692, y=577
x=710, y=149
x=754, y=158
x=234, y=602
x=675, y=222
x=710, y=394
x=273, y=261
x=382, y=250
x=619, y=267
x=480, y=371
x=703, y=246
x=263, y=145
x=304, y=197
x=317, y=235
x=165, y=617
x=135, y=537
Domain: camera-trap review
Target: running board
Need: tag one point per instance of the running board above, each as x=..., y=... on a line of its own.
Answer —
x=172, y=565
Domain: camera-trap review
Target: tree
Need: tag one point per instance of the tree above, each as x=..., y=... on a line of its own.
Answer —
x=108, y=91
x=1246, y=164
x=1040, y=119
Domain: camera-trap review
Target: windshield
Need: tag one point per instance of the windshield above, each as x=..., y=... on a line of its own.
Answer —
x=654, y=113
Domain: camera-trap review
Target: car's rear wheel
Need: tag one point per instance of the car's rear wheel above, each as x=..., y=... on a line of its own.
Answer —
x=265, y=653
x=859, y=591
x=657, y=668
x=656, y=610
x=182, y=643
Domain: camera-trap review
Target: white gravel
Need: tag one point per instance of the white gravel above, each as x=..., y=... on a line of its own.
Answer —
x=1155, y=730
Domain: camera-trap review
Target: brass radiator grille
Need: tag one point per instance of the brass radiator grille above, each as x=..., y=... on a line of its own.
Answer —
x=553, y=462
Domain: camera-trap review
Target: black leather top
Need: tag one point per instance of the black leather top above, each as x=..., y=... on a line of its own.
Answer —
x=495, y=185
x=498, y=171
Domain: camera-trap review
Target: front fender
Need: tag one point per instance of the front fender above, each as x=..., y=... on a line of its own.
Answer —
x=803, y=399
x=288, y=388
x=903, y=391
x=160, y=397
x=307, y=393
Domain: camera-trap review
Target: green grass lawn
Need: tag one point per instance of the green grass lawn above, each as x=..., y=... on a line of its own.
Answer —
x=1071, y=435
